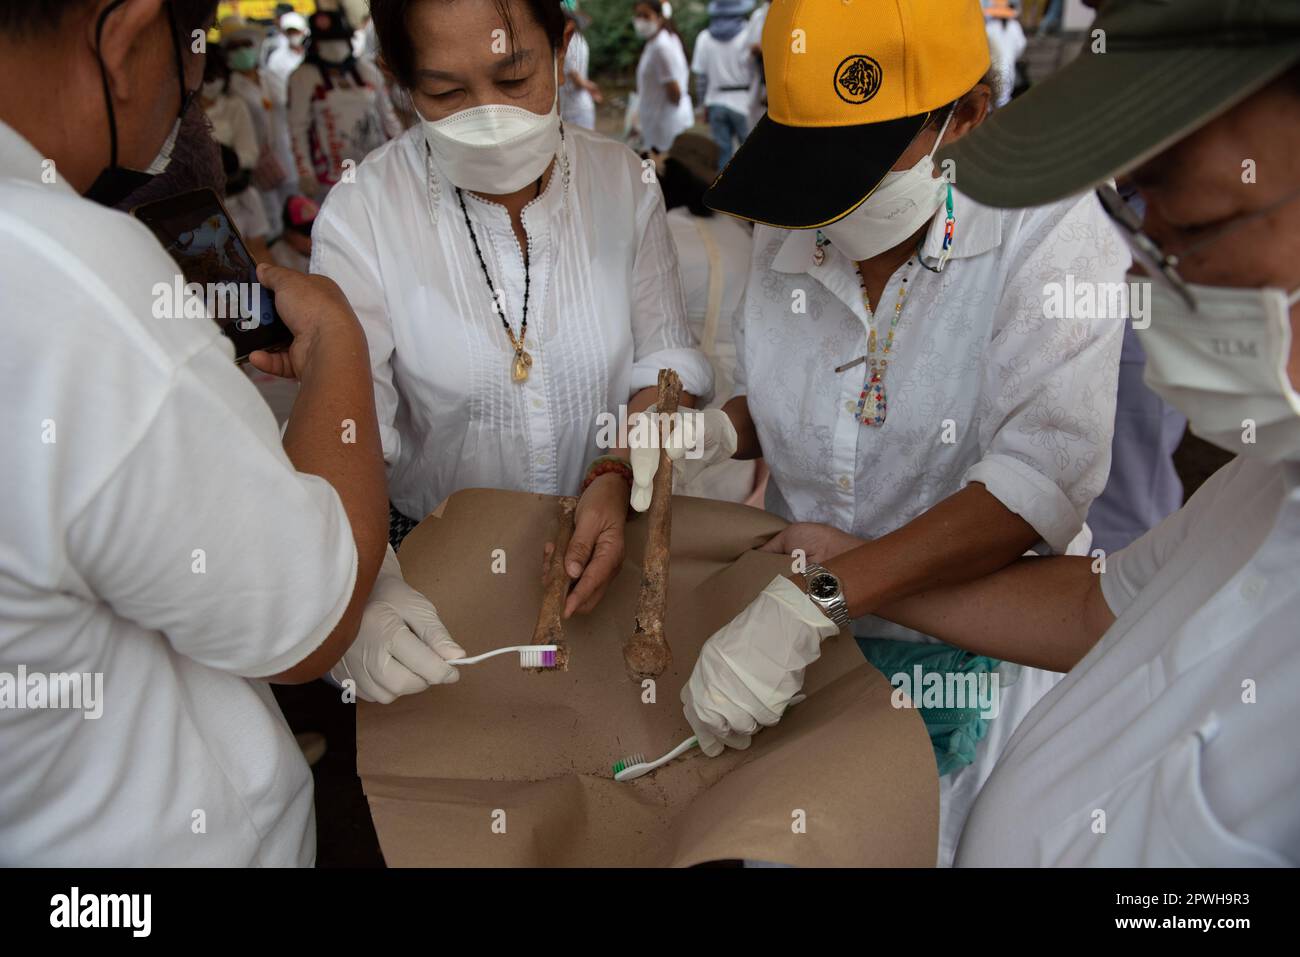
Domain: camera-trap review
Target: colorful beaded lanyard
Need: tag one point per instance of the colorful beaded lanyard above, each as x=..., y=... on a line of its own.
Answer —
x=873, y=402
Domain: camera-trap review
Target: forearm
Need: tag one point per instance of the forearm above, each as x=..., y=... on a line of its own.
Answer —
x=1043, y=612
x=747, y=445
x=968, y=535
x=333, y=433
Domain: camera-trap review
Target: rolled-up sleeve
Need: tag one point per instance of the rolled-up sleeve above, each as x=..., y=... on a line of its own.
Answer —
x=1047, y=402
x=662, y=338
x=343, y=249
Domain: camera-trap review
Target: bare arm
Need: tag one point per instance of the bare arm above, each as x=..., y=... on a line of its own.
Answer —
x=747, y=445
x=967, y=535
x=1044, y=612
x=673, y=90
x=331, y=361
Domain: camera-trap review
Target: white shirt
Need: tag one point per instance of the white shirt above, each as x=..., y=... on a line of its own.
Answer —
x=268, y=107
x=663, y=61
x=232, y=126
x=605, y=314
x=727, y=68
x=732, y=480
x=576, y=105
x=1028, y=402
x=1180, y=724
x=163, y=457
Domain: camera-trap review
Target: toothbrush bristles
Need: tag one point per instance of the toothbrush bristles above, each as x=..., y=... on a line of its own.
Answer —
x=537, y=658
x=628, y=761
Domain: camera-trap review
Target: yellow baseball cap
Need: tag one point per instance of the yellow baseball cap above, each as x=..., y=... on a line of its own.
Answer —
x=850, y=83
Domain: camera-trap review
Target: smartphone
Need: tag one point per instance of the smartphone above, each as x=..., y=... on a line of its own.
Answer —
x=199, y=234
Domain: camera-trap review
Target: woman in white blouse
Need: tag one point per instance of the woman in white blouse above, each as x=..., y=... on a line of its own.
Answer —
x=491, y=201
x=663, y=77
x=927, y=417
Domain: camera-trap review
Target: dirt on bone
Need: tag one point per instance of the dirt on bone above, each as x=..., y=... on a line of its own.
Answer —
x=646, y=653
x=555, y=589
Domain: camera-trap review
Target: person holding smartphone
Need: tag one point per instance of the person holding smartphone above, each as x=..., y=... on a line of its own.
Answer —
x=164, y=551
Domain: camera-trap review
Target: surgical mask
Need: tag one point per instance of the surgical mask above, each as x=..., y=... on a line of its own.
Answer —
x=334, y=51
x=213, y=89
x=644, y=28
x=904, y=201
x=242, y=60
x=164, y=157
x=495, y=149
x=1223, y=365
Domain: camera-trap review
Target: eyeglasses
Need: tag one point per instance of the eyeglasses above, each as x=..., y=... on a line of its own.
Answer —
x=1159, y=265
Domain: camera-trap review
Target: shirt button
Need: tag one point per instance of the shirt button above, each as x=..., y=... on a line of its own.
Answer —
x=845, y=482
x=1252, y=588
x=541, y=458
x=850, y=407
x=538, y=403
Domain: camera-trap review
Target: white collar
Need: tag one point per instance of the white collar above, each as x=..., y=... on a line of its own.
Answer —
x=978, y=230
x=20, y=160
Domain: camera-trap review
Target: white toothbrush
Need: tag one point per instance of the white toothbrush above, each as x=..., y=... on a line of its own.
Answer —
x=530, y=656
x=635, y=765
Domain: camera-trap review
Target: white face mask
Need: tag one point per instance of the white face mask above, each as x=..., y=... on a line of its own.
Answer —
x=495, y=149
x=164, y=157
x=903, y=202
x=213, y=89
x=644, y=28
x=1224, y=366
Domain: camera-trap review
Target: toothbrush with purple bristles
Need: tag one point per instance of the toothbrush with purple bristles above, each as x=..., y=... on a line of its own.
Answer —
x=530, y=656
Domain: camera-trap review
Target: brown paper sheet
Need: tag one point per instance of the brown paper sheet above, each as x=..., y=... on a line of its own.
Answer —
x=440, y=767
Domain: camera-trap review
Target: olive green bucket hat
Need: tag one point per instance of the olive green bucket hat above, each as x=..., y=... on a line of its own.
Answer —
x=1150, y=72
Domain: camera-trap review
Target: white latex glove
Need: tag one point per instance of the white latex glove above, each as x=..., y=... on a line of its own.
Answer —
x=709, y=432
x=402, y=646
x=752, y=668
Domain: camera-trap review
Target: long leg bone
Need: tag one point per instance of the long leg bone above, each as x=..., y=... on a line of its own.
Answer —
x=555, y=589
x=646, y=653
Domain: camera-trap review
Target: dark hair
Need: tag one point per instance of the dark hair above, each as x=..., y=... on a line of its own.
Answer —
x=393, y=33
x=683, y=188
x=21, y=18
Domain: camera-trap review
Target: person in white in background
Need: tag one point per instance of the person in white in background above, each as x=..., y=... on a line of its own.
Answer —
x=754, y=37
x=1172, y=740
x=158, y=530
x=286, y=58
x=713, y=253
x=663, y=78
x=233, y=128
x=922, y=417
x=579, y=95
x=490, y=200
x=724, y=65
x=1007, y=45
x=272, y=179
x=339, y=109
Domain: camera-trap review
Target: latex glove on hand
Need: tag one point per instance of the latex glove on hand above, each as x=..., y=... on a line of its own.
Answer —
x=402, y=646
x=696, y=441
x=752, y=668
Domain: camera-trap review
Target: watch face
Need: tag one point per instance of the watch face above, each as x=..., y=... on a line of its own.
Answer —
x=823, y=586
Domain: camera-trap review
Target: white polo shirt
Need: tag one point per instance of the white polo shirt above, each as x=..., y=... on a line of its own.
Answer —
x=154, y=534
x=1173, y=742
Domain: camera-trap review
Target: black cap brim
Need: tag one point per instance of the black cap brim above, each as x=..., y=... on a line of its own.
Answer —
x=803, y=177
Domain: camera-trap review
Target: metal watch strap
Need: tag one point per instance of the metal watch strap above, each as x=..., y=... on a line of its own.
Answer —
x=836, y=609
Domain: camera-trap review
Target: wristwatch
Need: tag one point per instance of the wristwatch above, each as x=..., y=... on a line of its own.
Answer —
x=825, y=591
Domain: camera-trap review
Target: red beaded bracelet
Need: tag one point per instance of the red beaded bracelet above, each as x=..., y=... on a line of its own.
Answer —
x=606, y=465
